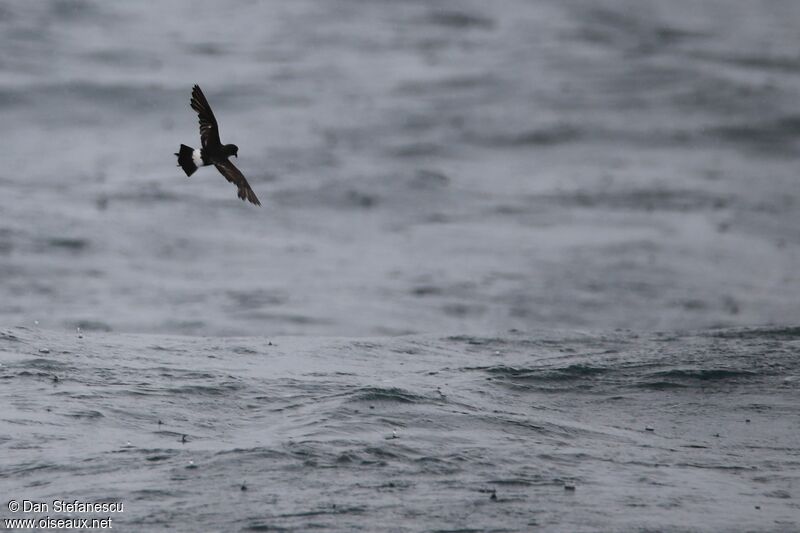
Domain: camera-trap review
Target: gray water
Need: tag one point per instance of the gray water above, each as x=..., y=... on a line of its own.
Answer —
x=478, y=216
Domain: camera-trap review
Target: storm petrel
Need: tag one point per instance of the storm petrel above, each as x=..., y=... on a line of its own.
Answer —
x=213, y=151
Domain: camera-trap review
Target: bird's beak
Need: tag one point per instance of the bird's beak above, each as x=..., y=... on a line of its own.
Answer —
x=236, y=156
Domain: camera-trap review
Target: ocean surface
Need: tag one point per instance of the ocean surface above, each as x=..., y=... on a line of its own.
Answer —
x=521, y=265
x=551, y=431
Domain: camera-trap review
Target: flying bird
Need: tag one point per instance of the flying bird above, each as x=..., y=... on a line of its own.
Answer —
x=213, y=152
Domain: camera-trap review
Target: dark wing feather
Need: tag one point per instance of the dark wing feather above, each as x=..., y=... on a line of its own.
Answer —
x=232, y=174
x=209, y=130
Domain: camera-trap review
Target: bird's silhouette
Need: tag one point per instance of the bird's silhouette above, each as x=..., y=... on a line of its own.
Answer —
x=213, y=152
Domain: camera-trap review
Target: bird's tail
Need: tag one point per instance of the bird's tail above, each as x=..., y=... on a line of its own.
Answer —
x=185, y=160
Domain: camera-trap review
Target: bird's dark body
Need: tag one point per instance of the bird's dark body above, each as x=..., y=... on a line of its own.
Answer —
x=208, y=156
x=213, y=151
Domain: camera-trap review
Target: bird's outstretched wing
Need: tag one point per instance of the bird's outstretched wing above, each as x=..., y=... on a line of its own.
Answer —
x=209, y=130
x=232, y=174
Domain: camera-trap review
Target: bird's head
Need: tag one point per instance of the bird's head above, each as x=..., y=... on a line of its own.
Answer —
x=231, y=150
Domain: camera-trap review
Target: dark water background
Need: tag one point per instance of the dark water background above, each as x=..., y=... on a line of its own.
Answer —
x=488, y=177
